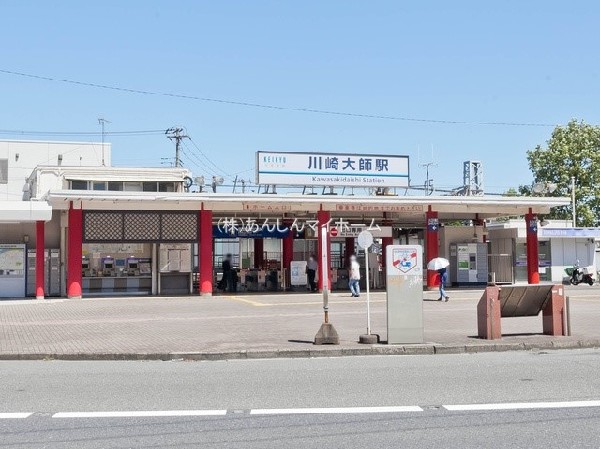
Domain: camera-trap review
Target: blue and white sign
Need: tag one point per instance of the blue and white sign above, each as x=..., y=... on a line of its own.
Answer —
x=570, y=232
x=332, y=169
x=405, y=259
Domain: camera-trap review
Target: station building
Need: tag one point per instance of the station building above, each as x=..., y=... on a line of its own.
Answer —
x=85, y=229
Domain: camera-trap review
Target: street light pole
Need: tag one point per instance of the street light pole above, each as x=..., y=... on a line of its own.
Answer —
x=573, y=201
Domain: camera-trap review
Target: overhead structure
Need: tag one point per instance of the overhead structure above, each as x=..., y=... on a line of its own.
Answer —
x=472, y=178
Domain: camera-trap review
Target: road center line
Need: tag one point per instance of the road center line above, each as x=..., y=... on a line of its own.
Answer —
x=15, y=415
x=521, y=406
x=140, y=414
x=333, y=410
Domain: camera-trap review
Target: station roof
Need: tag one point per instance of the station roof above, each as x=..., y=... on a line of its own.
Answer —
x=24, y=211
x=398, y=209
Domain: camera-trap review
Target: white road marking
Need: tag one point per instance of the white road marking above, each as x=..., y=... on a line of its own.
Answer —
x=140, y=414
x=521, y=406
x=338, y=410
x=15, y=415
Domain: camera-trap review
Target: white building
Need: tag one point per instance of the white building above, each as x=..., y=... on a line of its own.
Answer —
x=18, y=159
x=560, y=247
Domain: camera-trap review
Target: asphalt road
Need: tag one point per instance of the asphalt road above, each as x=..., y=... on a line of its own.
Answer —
x=513, y=399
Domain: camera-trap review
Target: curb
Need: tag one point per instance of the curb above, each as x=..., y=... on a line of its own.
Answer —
x=313, y=352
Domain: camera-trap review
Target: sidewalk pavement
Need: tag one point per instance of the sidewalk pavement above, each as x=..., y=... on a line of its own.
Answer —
x=261, y=326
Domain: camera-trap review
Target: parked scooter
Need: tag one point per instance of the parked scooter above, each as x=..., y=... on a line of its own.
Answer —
x=579, y=275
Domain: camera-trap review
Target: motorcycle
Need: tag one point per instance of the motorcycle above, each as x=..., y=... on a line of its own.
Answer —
x=579, y=275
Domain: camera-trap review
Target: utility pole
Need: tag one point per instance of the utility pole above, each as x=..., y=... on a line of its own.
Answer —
x=177, y=134
x=573, y=205
x=102, y=121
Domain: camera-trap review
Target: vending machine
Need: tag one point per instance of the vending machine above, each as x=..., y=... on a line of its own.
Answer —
x=468, y=264
x=51, y=272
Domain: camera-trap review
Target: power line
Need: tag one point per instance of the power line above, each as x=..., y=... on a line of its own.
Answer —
x=269, y=106
x=82, y=133
x=216, y=167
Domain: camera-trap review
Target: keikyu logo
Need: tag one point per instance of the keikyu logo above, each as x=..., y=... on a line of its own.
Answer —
x=275, y=161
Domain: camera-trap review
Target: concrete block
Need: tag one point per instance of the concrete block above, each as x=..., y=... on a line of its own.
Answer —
x=480, y=347
x=326, y=352
x=327, y=335
x=565, y=344
x=538, y=345
x=357, y=351
x=389, y=350
x=368, y=339
x=293, y=353
x=259, y=354
x=508, y=346
x=449, y=349
x=419, y=349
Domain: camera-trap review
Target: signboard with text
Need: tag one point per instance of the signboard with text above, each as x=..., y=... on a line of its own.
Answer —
x=332, y=169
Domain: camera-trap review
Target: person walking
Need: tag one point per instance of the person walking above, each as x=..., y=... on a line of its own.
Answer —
x=443, y=272
x=227, y=283
x=354, y=278
x=311, y=272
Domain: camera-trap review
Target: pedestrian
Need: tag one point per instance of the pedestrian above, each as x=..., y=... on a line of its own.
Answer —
x=443, y=279
x=354, y=278
x=227, y=281
x=311, y=272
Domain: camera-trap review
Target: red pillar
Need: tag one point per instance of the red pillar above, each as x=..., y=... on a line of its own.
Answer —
x=287, y=254
x=259, y=253
x=431, y=244
x=349, y=251
x=39, y=260
x=75, y=240
x=323, y=218
x=533, y=274
x=385, y=241
x=205, y=253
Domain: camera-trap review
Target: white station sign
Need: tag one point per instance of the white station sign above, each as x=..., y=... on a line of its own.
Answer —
x=332, y=169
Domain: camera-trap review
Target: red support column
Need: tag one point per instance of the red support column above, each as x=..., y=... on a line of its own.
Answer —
x=40, y=266
x=349, y=251
x=287, y=254
x=431, y=244
x=259, y=253
x=323, y=218
x=533, y=274
x=74, y=242
x=205, y=253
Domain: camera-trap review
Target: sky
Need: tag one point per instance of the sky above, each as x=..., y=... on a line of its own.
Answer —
x=529, y=63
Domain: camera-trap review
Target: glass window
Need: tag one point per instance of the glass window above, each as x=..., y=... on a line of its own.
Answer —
x=3, y=171
x=166, y=186
x=99, y=185
x=150, y=186
x=79, y=185
x=129, y=186
x=115, y=186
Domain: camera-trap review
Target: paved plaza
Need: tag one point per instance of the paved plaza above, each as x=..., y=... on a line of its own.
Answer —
x=225, y=325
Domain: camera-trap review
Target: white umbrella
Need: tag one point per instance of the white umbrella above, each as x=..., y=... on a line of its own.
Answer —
x=437, y=264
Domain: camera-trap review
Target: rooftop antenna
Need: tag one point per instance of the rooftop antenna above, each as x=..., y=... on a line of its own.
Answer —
x=427, y=165
x=102, y=121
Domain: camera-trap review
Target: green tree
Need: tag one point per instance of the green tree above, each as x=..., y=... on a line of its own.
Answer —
x=572, y=150
x=511, y=192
